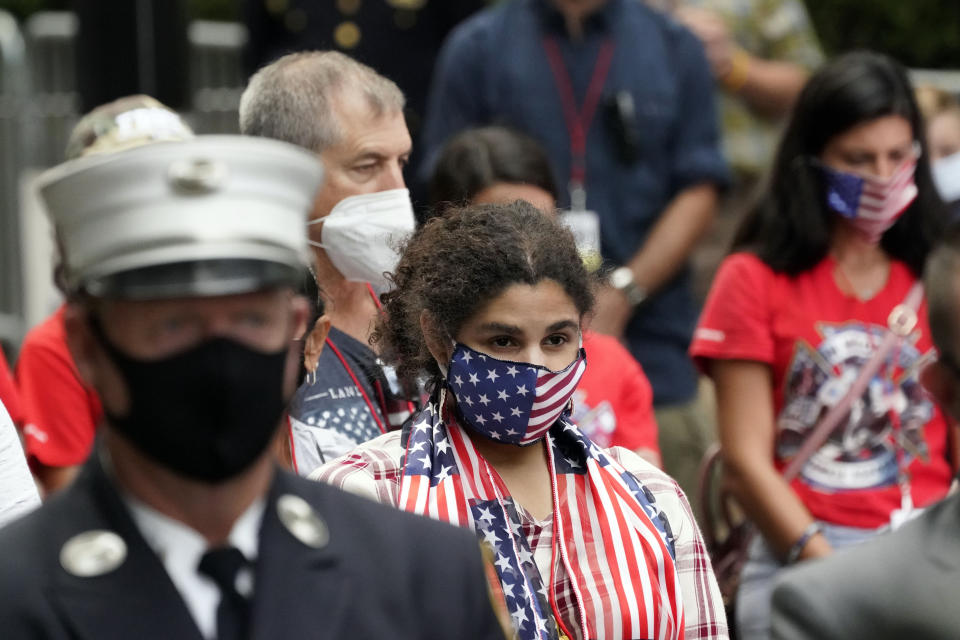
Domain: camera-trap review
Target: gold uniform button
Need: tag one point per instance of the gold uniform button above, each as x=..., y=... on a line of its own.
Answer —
x=93, y=553
x=347, y=35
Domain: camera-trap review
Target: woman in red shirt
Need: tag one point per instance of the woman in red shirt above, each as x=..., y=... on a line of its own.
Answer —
x=836, y=242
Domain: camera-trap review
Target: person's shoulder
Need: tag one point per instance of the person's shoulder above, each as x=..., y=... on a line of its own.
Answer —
x=640, y=14
x=746, y=262
x=384, y=450
x=650, y=476
x=372, y=470
x=482, y=25
x=744, y=270
x=372, y=525
x=49, y=335
x=903, y=568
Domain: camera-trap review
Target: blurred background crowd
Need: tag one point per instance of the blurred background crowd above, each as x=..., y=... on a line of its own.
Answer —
x=709, y=142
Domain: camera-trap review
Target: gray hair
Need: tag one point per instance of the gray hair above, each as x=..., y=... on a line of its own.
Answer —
x=942, y=283
x=291, y=99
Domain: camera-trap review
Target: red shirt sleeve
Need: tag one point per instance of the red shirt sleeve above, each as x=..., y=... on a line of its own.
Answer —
x=9, y=395
x=60, y=413
x=735, y=323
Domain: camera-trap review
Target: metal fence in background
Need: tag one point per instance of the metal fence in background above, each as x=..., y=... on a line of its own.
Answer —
x=12, y=93
x=217, y=77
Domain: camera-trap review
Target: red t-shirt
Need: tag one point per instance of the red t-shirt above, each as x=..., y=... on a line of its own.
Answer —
x=8, y=392
x=60, y=413
x=613, y=403
x=816, y=339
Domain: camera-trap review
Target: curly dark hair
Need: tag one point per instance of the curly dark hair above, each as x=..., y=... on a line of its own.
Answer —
x=455, y=264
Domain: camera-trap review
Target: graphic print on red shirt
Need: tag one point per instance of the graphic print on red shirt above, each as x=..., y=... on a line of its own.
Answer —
x=816, y=338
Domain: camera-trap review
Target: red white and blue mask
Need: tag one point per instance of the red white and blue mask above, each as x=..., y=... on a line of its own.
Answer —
x=871, y=204
x=512, y=402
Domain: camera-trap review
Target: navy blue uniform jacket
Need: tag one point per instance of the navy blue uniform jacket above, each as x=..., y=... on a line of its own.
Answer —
x=383, y=574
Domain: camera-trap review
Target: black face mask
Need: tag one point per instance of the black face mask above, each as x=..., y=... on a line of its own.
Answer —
x=206, y=413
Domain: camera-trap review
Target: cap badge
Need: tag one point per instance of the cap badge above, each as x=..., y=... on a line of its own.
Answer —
x=300, y=519
x=197, y=175
x=93, y=553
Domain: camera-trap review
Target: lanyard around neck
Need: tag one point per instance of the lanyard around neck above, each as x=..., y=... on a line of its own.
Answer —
x=578, y=120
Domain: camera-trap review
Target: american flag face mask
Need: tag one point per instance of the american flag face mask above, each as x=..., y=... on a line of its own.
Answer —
x=512, y=402
x=871, y=204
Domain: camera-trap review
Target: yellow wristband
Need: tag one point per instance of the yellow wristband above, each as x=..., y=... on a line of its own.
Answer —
x=734, y=79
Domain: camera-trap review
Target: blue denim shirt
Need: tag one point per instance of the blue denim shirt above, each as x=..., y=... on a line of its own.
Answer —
x=493, y=69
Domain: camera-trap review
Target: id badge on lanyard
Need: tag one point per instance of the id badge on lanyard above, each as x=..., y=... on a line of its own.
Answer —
x=584, y=223
x=585, y=226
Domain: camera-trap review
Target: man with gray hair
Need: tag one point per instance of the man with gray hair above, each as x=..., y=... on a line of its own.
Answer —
x=352, y=118
x=903, y=584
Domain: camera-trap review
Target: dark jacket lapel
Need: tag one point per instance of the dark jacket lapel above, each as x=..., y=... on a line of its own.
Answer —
x=135, y=600
x=300, y=591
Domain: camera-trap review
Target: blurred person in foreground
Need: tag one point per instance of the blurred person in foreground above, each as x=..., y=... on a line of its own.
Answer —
x=352, y=118
x=180, y=261
x=589, y=542
x=833, y=247
x=621, y=97
x=903, y=584
x=942, y=113
x=61, y=413
x=613, y=403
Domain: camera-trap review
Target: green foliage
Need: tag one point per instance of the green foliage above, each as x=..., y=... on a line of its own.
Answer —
x=918, y=33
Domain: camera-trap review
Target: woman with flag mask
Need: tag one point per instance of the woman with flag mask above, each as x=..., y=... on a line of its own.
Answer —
x=828, y=259
x=586, y=542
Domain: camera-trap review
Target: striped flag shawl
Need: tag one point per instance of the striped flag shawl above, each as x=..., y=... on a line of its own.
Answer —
x=616, y=545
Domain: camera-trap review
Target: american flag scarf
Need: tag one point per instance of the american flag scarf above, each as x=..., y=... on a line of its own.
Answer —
x=871, y=204
x=608, y=532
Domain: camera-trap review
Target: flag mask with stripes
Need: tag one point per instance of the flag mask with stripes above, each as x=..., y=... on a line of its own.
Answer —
x=512, y=402
x=871, y=204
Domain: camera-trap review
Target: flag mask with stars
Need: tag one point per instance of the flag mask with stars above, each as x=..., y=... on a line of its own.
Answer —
x=871, y=204
x=513, y=402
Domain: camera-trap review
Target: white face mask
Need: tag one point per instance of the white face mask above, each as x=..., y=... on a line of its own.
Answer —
x=360, y=233
x=946, y=175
